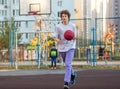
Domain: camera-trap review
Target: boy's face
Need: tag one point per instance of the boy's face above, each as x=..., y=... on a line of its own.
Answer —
x=64, y=18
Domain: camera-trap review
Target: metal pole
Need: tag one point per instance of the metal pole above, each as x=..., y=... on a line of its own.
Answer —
x=93, y=48
x=38, y=55
x=11, y=46
x=39, y=45
x=111, y=50
x=16, y=56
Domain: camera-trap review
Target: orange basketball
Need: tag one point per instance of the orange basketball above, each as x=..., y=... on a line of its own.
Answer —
x=69, y=35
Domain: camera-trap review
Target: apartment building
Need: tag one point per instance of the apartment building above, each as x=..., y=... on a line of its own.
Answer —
x=78, y=8
x=11, y=8
x=116, y=13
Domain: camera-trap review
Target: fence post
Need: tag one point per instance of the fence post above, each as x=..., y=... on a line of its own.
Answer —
x=93, y=47
x=11, y=46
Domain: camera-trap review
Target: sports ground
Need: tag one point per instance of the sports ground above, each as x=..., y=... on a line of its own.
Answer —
x=53, y=79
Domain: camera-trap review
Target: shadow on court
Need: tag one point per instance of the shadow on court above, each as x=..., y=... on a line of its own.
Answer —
x=87, y=79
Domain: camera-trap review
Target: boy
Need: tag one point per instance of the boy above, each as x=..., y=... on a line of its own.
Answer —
x=66, y=47
x=53, y=56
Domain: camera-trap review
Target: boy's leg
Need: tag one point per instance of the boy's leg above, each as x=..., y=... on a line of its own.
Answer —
x=73, y=78
x=51, y=63
x=54, y=63
x=68, y=65
x=63, y=55
x=67, y=59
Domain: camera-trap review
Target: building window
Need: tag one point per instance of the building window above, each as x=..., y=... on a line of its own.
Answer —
x=13, y=12
x=26, y=24
x=0, y=1
x=13, y=1
x=26, y=35
x=3, y=2
x=3, y=24
x=17, y=12
x=116, y=1
x=59, y=3
x=0, y=25
x=5, y=12
x=2, y=12
x=18, y=24
x=58, y=13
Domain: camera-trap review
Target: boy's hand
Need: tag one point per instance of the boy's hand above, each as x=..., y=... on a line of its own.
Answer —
x=74, y=38
x=58, y=41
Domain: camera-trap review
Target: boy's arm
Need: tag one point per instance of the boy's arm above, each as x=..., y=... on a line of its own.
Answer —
x=50, y=53
x=57, y=35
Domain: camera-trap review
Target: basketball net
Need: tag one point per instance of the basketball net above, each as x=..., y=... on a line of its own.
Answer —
x=40, y=20
x=37, y=19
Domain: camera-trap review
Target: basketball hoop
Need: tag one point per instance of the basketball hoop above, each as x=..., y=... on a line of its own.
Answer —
x=32, y=12
x=35, y=14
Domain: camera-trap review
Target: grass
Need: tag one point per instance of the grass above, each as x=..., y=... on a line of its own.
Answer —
x=117, y=67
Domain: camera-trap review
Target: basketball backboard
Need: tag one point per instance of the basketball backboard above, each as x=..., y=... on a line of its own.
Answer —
x=42, y=7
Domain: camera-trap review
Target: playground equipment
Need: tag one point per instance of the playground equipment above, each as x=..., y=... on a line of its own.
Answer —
x=109, y=40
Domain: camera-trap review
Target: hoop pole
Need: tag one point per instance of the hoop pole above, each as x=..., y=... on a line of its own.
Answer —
x=16, y=61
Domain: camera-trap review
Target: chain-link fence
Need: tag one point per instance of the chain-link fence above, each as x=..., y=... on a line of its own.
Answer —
x=31, y=43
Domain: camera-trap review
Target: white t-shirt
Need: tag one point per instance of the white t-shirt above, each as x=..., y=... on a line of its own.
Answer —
x=59, y=33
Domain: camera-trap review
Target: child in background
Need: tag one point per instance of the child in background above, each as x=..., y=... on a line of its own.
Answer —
x=101, y=53
x=105, y=56
x=53, y=56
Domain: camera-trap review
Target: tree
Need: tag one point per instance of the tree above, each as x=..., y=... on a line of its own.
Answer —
x=6, y=28
x=4, y=35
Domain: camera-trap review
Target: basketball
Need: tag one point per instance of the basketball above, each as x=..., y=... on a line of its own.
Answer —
x=69, y=35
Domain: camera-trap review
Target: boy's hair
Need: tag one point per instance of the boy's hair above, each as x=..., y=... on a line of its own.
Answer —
x=53, y=44
x=65, y=12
